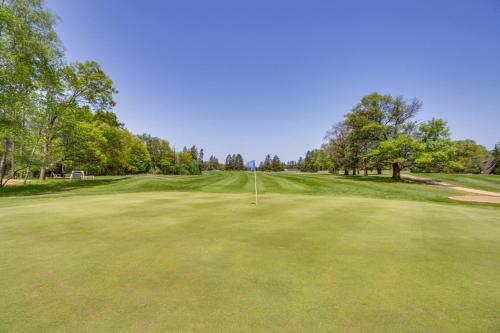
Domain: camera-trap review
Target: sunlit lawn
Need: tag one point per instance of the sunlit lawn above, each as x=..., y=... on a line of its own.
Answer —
x=482, y=182
x=320, y=253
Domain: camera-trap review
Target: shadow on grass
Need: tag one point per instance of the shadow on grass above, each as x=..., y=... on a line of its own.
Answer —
x=53, y=186
x=379, y=179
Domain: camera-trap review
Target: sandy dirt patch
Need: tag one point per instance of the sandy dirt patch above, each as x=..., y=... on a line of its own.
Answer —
x=451, y=186
x=477, y=198
x=15, y=182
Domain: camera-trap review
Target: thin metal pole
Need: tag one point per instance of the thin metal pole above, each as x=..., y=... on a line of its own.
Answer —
x=255, y=184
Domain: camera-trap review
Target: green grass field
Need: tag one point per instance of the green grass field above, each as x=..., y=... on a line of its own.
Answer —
x=481, y=182
x=320, y=253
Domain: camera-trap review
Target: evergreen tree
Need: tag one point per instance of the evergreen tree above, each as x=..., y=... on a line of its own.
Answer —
x=229, y=162
x=276, y=164
x=213, y=163
x=201, y=155
x=267, y=163
x=194, y=152
x=238, y=162
x=300, y=163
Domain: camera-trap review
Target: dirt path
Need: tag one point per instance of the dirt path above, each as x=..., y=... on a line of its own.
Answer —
x=481, y=196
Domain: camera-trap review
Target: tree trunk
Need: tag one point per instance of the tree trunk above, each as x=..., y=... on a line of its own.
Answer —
x=13, y=161
x=354, y=171
x=43, y=169
x=346, y=172
x=3, y=161
x=366, y=171
x=379, y=171
x=28, y=170
x=48, y=139
x=396, y=171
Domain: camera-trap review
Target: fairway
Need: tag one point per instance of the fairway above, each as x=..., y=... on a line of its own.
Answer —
x=320, y=253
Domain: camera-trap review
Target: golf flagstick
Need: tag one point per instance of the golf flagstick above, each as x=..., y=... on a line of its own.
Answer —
x=255, y=184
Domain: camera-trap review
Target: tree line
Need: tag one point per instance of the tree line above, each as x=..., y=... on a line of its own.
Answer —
x=271, y=164
x=381, y=132
x=57, y=116
x=234, y=162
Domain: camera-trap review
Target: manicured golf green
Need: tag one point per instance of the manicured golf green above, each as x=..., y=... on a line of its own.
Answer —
x=194, y=254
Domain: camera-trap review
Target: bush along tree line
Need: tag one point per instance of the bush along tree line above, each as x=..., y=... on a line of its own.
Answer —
x=57, y=116
x=381, y=132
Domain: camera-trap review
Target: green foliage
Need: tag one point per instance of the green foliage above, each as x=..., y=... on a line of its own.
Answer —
x=315, y=160
x=399, y=152
x=355, y=142
x=438, y=150
x=234, y=162
x=139, y=159
x=496, y=156
x=381, y=132
x=107, y=117
x=271, y=164
x=213, y=164
x=57, y=117
x=161, y=154
x=82, y=147
x=276, y=164
x=434, y=130
x=28, y=47
x=186, y=164
x=469, y=156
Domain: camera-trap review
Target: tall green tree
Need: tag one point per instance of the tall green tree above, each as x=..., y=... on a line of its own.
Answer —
x=337, y=147
x=238, y=162
x=366, y=128
x=81, y=143
x=138, y=160
x=383, y=118
x=267, y=165
x=469, y=156
x=276, y=164
x=161, y=154
x=71, y=87
x=437, y=148
x=28, y=45
x=400, y=152
x=213, y=163
x=229, y=162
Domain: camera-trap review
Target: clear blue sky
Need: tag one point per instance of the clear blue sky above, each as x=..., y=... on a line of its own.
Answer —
x=272, y=75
